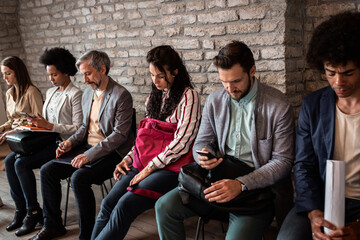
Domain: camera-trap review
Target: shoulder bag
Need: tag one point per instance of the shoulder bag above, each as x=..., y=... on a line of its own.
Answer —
x=193, y=180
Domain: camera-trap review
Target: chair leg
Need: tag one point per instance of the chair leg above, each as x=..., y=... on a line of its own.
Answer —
x=106, y=190
x=111, y=183
x=200, y=226
x=102, y=190
x=222, y=227
x=67, y=199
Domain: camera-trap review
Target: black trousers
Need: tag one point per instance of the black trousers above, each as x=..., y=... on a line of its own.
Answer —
x=81, y=180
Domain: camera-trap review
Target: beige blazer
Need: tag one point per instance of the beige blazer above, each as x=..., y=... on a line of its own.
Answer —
x=69, y=113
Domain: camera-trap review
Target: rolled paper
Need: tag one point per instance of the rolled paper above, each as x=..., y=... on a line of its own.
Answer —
x=335, y=193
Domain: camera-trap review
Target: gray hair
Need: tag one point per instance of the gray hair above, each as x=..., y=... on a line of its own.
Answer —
x=96, y=59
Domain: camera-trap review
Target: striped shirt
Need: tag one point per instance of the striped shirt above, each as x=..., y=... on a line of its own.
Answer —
x=187, y=116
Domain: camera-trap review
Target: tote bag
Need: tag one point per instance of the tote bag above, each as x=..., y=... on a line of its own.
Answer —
x=152, y=138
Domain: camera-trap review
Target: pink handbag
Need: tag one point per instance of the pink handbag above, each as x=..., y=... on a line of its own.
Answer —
x=153, y=137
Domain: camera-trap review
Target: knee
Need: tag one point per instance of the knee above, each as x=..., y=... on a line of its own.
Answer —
x=10, y=161
x=78, y=180
x=47, y=170
x=163, y=206
x=20, y=164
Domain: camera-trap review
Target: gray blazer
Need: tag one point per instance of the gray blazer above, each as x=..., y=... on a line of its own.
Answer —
x=68, y=114
x=115, y=120
x=272, y=135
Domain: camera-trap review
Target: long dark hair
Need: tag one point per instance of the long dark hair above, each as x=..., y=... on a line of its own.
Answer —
x=21, y=74
x=160, y=57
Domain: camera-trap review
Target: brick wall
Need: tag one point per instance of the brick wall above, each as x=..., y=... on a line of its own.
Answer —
x=276, y=31
x=10, y=41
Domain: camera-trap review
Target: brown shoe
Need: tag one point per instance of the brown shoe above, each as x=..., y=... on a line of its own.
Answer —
x=47, y=233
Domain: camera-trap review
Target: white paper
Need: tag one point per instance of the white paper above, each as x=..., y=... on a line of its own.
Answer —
x=335, y=193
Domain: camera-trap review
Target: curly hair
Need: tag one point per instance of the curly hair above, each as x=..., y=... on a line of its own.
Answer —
x=160, y=57
x=233, y=53
x=21, y=73
x=337, y=41
x=61, y=58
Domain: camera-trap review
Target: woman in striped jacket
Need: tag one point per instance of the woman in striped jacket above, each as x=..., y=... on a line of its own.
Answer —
x=172, y=100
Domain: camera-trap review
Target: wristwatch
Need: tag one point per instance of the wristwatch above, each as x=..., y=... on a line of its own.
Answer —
x=243, y=187
x=152, y=166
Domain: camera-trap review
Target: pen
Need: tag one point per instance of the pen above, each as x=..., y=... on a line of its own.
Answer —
x=59, y=143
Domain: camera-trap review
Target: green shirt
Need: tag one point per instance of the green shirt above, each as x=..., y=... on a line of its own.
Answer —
x=238, y=139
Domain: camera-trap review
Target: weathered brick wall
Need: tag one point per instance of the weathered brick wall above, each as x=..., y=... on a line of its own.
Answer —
x=10, y=41
x=126, y=30
x=276, y=30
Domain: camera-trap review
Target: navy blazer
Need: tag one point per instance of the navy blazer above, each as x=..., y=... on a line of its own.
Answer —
x=314, y=145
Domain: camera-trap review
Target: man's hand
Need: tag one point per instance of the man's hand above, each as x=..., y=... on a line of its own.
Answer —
x=79, y=161
x=121, y=168
x=63, y=147
x=223, y=191
x=39, y=121
x=317, y=221
x=3, y=136
x=141, y=175
x=207, y=163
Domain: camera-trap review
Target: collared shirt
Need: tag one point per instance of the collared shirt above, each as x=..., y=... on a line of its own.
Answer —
x=94, y=132
x=238, y=139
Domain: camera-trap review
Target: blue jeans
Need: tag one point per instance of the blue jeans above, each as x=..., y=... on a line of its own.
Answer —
x=297, y=225
x=21, y=178
x=171, y=213
x=81, y=180
x=120, y=208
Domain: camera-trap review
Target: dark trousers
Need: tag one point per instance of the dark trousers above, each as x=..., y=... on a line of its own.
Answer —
x=81, y=181
x=120, y=208
x=297, y=226
x=21, y=178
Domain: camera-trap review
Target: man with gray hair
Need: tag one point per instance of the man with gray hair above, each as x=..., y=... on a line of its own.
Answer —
x=91, y=154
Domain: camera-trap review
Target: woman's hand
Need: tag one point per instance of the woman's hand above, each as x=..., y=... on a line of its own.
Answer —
x=3, y=136
x=63, y=147
x=141, y=175
x=121, y=168
x=40, y=121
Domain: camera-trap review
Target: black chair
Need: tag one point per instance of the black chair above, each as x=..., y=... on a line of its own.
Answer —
x=102, y=184
x=102, y=187
x=222, y=217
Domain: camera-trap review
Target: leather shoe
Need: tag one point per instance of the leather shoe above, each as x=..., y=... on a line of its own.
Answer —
x=31, y=219
x=47, y=233
x=17, y=221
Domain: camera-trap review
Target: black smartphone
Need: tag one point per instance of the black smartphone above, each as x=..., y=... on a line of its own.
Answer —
x=207, y=154
x=26, y=115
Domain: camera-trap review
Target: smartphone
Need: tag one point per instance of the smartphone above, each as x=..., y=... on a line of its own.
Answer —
x=207, y=154
x=26, y=115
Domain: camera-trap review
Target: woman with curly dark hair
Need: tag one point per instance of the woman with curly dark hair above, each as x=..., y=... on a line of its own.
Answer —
x=62, y=113
x=172, y=103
